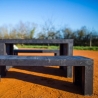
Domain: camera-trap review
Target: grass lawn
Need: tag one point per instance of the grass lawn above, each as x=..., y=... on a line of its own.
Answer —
x=95, y=48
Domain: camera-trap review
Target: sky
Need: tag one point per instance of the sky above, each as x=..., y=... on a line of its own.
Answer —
x=72, y=13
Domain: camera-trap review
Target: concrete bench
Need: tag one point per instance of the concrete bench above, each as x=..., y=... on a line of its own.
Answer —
x=65, y=47
x=56, y=53
x=82, y=67
x=16, y=51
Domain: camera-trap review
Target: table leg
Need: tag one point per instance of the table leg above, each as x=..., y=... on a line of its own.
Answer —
x=67, y=49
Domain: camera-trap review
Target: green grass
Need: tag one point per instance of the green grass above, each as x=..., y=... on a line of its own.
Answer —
x=94, y=48
x=38, y=46
x=53, y=47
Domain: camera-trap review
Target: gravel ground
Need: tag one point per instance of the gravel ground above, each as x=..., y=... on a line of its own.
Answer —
x=44, y=82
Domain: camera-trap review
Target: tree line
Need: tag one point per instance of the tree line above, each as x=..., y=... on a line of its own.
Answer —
x=82, y=36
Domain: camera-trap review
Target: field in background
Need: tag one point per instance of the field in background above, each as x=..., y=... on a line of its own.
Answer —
x=95, y=48
x=38, y=46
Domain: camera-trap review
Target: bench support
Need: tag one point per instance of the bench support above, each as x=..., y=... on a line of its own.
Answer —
x=2, y=52
x=83, y=77
x=3, y=71
x=2, y=49
x=67, y=49
x=7, y=49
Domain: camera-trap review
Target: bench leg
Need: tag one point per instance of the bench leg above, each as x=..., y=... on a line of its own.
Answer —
x=77, y=75
x=67, y=49
x=2, y=52
x=3, y=71
x=56, y=54
x=67, y=70
x=9, y=51
x=83, y=77
x=15, y=53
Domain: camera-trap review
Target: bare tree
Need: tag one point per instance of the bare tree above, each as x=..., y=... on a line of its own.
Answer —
x=4, y=32
x=41, y=36
x=67, y=32
x=25, y=30
x=13, y=34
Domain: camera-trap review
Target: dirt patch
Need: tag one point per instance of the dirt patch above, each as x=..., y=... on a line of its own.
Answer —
x=44, y=82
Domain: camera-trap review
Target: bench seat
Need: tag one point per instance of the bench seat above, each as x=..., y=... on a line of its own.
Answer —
x=14, y=60
x=82, y=67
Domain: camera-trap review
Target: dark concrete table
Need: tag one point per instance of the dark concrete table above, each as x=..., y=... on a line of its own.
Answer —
x=66, y=47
